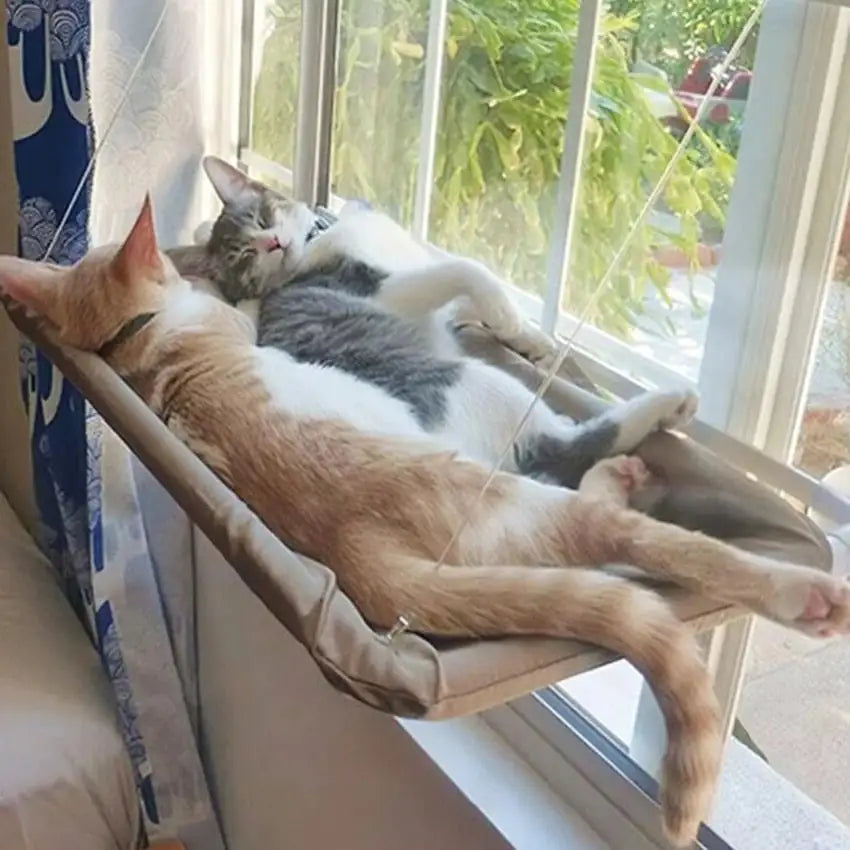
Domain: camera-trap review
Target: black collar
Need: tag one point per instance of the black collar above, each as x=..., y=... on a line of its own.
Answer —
x=125, y=332
x=324, y=219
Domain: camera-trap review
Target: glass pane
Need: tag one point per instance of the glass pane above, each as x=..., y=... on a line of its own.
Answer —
x=654, y=63
x=823, y=448
x=377, y=111
x=505, y=91
x=281, y=179
x=797, y=690
x=277, y=34
x=610, y=695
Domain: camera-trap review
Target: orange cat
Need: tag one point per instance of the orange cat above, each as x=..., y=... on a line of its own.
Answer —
x=377, y=503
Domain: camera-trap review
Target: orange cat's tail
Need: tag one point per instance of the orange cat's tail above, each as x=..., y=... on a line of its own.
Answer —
x=590, y=606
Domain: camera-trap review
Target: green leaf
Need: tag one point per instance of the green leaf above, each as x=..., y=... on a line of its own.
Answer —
x=410, y=50
x=508, y=147
x=650, y=81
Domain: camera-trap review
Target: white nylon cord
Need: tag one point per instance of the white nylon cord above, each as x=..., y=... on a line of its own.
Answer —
x=405, y=621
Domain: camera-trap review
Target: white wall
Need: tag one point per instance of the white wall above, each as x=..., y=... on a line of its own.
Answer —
x=295, y=764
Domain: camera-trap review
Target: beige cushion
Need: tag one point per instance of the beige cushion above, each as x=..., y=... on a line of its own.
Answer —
x=65, y=778
x=411, y=676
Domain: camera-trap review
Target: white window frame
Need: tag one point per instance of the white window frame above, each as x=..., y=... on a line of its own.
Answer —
x=787, y=203
x=783, y=221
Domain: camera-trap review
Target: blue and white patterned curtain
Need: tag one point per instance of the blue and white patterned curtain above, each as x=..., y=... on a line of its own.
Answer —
x=90, y=522
x=47, y=55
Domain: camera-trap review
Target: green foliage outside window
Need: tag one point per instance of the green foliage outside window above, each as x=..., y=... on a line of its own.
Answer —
x=506, y=87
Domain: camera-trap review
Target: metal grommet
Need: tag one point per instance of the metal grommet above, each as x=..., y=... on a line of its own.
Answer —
x=401, y=625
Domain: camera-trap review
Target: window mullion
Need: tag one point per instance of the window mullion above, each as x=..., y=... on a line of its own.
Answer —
x=316, y=87
x=829, y=205
x=434, y=58
x=769, y=214
x=581, y=84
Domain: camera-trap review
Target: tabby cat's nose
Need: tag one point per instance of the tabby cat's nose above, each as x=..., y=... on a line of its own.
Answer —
x=269, y=243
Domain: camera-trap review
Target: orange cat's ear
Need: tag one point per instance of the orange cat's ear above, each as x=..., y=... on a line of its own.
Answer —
x=229, y=182
x=139, y=256
x=35, y=285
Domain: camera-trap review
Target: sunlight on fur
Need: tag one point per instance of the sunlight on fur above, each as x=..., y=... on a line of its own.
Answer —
x=345, y=472
x=313, y=367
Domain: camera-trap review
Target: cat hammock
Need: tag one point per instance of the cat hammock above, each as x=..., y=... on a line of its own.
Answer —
x=410, y=676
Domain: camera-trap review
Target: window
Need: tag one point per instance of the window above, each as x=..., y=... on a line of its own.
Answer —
x=661, y=289
x=530, y=135
x=806, y=739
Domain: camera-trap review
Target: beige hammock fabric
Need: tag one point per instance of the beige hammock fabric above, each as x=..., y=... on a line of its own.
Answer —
x=411, y=676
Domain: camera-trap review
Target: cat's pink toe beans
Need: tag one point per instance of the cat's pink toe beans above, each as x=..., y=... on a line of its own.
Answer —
x=813, y=602
x=631, y=471
x=635, y=473
x=827, y=611
x=817, y=608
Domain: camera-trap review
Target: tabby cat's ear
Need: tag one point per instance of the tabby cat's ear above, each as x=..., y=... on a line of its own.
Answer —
x=139, y=257
x=35, y=285
x=230, y=183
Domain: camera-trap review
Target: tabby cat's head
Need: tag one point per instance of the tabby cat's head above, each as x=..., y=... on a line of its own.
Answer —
x=257, y=241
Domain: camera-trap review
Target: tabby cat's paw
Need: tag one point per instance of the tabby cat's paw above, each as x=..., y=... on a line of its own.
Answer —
x=810, y=601
x=486, y=300
x=534, y=345
x=682, y=408
x=501, y=317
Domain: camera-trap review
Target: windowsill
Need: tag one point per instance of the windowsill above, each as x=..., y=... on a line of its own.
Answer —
x=505, y=788
x=755, y=806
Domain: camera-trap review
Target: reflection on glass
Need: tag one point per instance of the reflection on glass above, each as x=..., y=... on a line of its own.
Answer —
x=611, y=696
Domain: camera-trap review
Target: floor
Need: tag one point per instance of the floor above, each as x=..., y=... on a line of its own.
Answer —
x=749, y=789
x=796, y=707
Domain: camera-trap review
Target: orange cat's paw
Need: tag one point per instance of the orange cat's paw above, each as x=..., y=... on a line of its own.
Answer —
x=630, y=471
x=615, y=477
x=812, y=602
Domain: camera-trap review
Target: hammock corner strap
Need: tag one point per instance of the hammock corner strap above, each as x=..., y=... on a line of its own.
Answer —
x=411, y=676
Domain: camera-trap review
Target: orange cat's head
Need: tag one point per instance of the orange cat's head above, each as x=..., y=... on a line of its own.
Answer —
x=89, y=303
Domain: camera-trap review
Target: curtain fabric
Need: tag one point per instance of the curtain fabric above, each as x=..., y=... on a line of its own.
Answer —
x=130, y=591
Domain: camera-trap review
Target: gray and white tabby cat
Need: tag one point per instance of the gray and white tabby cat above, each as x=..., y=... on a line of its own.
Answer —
x=362, y=296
